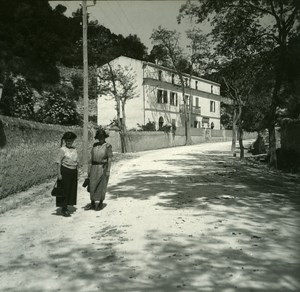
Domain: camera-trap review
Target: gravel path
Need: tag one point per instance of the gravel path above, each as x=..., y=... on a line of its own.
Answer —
x=182, y=219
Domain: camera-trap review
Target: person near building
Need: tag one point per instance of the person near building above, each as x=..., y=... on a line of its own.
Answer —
x=99, y=170
x=67, y=172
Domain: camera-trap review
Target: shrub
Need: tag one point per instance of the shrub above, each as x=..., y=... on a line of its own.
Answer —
x=166, y=128
x=58, y=108
x=150, y=126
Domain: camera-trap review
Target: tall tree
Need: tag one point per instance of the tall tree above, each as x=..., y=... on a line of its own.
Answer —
x=246, y=27
x=238, y=89
x=198, y=58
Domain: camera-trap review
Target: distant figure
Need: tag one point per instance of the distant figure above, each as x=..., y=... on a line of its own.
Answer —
x=258, y=146
x=212, y=125
x=99, y=170
x=67, y=171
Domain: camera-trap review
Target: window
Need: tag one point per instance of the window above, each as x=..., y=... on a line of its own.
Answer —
x=173, y=98
x=212, y=89
x=212, y=106
x=197, y=102
x=196, y=84
x=186, y=81
x=165, y=100
x=205, y=122
x=187, y=98
x=195, y=124
x=162, y=96
x=159, y=75
x=159, y=96
x=173, y=78
x=160, y=122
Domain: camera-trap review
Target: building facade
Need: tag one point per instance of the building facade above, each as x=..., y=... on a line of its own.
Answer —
x=159, y=98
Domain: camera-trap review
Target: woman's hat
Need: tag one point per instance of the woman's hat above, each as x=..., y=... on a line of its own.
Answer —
x=69, y=136
x=101, y=133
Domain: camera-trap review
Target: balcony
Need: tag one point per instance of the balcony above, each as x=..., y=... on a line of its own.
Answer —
x=195, y=110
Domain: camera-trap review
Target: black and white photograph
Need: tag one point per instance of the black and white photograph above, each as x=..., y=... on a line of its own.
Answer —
x=150, y=146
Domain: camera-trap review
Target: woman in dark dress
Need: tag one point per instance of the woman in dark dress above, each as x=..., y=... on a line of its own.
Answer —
x=67, y=172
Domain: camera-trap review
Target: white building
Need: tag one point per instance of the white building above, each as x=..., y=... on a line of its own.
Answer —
x=159, y=98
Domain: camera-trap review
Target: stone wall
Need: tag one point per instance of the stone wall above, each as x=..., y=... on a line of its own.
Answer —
x=28, y=149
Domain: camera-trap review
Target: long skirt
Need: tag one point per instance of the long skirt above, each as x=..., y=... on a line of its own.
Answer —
x=69, y=183
x=98, y=182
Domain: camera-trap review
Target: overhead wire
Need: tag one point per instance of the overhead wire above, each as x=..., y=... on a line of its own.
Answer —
x=126, y=17
x=121, y=24
x=105, y=12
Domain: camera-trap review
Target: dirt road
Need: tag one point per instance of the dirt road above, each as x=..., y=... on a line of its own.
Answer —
x=181, y=219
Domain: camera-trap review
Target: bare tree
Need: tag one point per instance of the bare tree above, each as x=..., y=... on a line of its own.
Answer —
x=169, y=40
x=119, y=83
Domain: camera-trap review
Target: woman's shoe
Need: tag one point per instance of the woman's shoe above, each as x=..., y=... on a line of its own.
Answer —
x=100, y=206
x=65, y=213
x=92, y=206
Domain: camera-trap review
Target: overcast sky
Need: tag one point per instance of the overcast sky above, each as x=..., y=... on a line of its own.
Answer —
x=134, y=17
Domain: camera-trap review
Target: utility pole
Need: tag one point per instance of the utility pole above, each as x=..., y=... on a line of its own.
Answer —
x=85, y=87
x=85, y=84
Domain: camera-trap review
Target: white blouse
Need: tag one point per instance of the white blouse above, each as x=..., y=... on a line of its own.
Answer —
x=68, y=157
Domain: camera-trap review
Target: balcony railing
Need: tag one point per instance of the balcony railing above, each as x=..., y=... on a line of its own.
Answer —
x=195, y=110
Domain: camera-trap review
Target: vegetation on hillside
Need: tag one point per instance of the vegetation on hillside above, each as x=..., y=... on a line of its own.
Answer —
x=34, y=39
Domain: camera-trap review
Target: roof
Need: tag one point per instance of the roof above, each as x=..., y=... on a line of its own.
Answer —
x=184, y=74
x=170, y=70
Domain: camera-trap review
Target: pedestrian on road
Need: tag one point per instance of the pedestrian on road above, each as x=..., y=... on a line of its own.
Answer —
x=99, y=170
x=67, y=172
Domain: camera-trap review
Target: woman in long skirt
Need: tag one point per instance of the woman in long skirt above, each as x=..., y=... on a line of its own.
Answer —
x=99, y=170
x=67, y=173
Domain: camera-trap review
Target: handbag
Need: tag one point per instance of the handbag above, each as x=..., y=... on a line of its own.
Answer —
x=86, y=183
x=57, y=190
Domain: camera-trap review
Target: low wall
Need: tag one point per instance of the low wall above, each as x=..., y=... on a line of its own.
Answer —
x=28, y=149
x=142, y=140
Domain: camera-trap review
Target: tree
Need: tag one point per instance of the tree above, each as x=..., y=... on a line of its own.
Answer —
x=246, y=27
x=119, y=83
x=241, y=89
x=159, y=55
x=104, y=46
x=33, y=41
x=169, y=39
x=17, y=98
x=198, y=57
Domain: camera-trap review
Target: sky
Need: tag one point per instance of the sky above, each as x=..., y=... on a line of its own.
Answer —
x=134, y=17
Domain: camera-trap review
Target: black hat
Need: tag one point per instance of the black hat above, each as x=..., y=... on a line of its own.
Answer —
x=69, y=136
x=101, y=133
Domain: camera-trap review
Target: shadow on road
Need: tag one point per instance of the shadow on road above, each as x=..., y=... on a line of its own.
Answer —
x=241, y=201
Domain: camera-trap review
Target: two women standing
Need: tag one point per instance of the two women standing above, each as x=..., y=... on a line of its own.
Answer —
x=98, y=171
